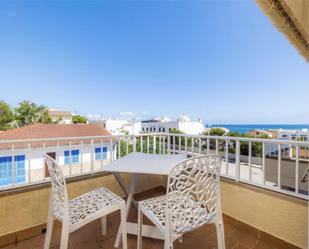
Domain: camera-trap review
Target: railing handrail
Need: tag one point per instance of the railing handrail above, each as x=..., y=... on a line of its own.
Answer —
x=180, y=143
x=116, y=136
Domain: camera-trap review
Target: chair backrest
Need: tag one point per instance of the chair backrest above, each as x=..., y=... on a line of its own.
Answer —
x=193, y=193
x=59, y=194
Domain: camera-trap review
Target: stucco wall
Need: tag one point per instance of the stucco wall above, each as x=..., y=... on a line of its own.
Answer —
x=283, y=217
x=278, y=215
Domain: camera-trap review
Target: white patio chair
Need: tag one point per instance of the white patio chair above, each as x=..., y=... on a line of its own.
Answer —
x=81, y=210
x=192, y=200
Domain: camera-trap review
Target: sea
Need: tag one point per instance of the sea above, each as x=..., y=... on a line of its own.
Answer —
x=245, y=128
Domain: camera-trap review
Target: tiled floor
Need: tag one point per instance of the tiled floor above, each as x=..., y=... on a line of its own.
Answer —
x=89, y=237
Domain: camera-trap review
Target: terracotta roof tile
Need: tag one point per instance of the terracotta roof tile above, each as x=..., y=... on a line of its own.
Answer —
x=41, y=131
x=45, y=131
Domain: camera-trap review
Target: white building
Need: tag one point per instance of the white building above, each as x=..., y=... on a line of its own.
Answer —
x=132, y=128
x=293, y=134
x=66, y=143
x=64, y=117
x=289, y=151
x=183, y=123
x=114, y=126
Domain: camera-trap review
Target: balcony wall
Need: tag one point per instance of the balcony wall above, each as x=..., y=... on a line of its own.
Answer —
x=27, y=209
x=275, y=214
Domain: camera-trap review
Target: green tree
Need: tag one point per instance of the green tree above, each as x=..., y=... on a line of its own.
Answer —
x=257, y=147
x=182, y=139
x=77, y=119
x=214, y=132
x=6, y=116
x=27, y=113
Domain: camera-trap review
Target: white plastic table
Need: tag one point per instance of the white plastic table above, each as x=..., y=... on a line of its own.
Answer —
x=140, y=163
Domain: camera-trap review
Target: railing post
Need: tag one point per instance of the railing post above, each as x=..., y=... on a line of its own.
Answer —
x=160, y=144
x=111, y=150
x=81, y=156
x=263, y=162
x=13, y=164
x=199, y=146
x=163, y=144
x=91, y=156
x=227, y=157
x=186, y=145
x=297, y=169
x=217, y=146
x=29, y=163
x=127, y=146
x=119, y=147
x=148, y=144
x=134, y=143
x=208, y=146
x=192, y=146
x=179, y=143
x=101, y=154
x=154, y=149
x=57, y=152
x=250, y=161
x=142, y=150
x=168, y=144
x=279, y=166
x=174, y=144
x=237, y=160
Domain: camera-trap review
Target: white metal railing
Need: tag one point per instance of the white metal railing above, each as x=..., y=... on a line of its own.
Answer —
x=277, y=165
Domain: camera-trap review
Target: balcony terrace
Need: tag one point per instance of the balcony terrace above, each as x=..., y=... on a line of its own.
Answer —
x=264, y=199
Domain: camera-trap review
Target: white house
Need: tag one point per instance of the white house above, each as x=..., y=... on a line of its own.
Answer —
x=163, y=124
x=114, y=125
x=293, y=134
x=64, y=117
x=66, y=143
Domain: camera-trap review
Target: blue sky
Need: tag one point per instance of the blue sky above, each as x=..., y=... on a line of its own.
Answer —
x=222, y=61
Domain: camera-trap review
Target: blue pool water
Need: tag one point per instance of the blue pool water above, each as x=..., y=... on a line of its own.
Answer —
x=244, y=128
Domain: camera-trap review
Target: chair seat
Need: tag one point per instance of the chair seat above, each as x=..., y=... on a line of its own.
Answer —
x=88, y=207
x=155, y=208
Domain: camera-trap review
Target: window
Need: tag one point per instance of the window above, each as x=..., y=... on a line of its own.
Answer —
x=66, y=157
x=6, y=170
x=104, y=152
x=163, y=129
x=74, y=156
x=100, y=153
x=97, y=152
x=19, y=168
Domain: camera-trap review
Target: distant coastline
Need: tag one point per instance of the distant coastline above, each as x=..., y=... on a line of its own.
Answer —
x=245, y=128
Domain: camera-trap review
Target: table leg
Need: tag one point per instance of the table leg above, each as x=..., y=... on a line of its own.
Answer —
x=123, y=186
x=130, y=199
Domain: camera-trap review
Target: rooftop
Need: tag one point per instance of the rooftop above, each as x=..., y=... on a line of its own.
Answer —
x=42, y=131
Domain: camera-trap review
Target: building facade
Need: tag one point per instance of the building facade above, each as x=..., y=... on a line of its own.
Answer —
x=69, y=145
x=183, y=123
x=62, y=117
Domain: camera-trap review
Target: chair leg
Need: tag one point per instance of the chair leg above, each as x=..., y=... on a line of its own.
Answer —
x=49, y=229
x=124, y=227
x=220, y=232
x=64, y=236
x=168, y=244
x=103, y=226
x=140, y=228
